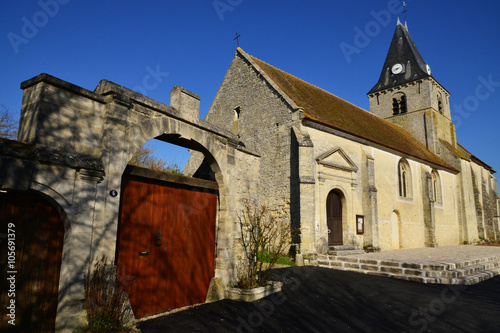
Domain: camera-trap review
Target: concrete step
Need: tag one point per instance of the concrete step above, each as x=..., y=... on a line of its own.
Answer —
x=345, y=252
x=341, y=247
x=465, y=272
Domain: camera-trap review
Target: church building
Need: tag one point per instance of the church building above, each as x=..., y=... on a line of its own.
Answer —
x=348, y=179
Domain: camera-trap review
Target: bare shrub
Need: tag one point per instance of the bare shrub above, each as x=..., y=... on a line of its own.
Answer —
x=105, y=299
x=8, y=123
x=262, y=235
x=145, y=157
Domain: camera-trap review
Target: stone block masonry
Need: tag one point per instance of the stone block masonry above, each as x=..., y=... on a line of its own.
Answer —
x=74, y=145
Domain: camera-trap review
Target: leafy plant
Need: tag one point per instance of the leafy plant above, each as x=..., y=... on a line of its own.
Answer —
x=262, y=235
x=105, y=299
x=284, y=260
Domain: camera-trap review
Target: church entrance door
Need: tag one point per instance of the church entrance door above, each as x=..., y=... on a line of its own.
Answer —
x=334, y=218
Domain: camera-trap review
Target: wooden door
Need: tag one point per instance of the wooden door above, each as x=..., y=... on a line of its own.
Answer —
x=38, y=239
x=334, y=218
x=166, y=244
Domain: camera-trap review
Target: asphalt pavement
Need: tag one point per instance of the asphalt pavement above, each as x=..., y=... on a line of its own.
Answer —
x=317, y=299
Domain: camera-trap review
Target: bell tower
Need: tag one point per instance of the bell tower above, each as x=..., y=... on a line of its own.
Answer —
x=407, y=95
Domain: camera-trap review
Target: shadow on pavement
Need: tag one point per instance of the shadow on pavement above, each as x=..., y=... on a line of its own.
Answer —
x=325, y=300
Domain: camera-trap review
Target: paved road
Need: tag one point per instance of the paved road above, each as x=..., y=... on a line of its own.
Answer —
x=325, y=300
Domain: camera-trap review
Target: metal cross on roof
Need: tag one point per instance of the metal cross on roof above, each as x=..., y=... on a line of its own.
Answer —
x=236, y=39
x=404, y=9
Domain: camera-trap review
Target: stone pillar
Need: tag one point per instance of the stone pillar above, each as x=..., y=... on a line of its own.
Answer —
x=497, y=217
x=185, y=102
x=302, y=192
x=429, y=215
x=373, y=243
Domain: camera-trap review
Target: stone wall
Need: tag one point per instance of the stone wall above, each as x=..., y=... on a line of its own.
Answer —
x=108, y=126
x=264, y=123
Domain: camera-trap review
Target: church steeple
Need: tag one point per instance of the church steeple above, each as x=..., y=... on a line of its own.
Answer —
x=407, y=95
x=403, y=63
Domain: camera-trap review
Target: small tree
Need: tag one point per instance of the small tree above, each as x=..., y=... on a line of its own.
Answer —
x=145, y=158
x=8, y=124
x=263, y=235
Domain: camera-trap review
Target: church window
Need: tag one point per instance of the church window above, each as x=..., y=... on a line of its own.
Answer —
x=236, y=120
x=404, y=179
x=399, y=104
x=436, y=192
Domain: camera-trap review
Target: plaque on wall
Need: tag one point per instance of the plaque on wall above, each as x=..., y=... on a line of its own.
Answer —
x=360, y=224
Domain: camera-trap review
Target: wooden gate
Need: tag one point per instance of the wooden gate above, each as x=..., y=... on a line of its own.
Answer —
x=166, y=241
x=37, y=235
x=334, y=218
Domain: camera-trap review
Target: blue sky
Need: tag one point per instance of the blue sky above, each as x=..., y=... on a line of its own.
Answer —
x=339, y=46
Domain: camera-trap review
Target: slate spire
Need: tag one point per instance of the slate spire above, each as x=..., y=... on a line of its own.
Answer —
x=403, y=63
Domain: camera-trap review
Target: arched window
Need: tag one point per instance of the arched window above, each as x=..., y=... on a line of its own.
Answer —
x=236, y=120
x=404, y=179
x=399, y=104
x=437, y=194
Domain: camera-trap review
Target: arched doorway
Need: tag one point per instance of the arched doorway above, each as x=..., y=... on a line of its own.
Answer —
x=395, y=232
x=31, y=252
x=334, y=218
x=167, y=232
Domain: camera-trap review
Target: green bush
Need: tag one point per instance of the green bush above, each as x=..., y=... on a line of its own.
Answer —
x=281, y=260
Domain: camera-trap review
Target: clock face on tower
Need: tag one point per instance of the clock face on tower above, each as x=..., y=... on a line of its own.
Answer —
x=397, y=69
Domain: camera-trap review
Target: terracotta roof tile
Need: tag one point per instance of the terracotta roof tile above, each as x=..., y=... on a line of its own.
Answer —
x=325, y=108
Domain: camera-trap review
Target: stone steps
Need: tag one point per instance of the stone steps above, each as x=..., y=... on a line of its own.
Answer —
x=344, y=250
x=462, y=272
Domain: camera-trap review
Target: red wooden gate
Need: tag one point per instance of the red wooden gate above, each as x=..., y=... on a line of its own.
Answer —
x=38, y=240
x=166, y=243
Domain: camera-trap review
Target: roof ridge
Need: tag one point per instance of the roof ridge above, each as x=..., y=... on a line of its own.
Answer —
x=313, y=85
x=324, y=107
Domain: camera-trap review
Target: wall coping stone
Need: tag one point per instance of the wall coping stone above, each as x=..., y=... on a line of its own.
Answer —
x=43, y=77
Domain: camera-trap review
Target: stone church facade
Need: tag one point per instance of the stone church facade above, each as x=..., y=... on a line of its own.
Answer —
x=392, y=178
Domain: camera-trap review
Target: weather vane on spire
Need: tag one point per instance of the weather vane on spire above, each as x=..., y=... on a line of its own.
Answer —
x=404, y=9
x=237, y=40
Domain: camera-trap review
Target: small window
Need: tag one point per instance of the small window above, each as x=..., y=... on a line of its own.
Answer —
x=404, y=179
x=236, y=120
x=440, y=104
x=436, y=192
